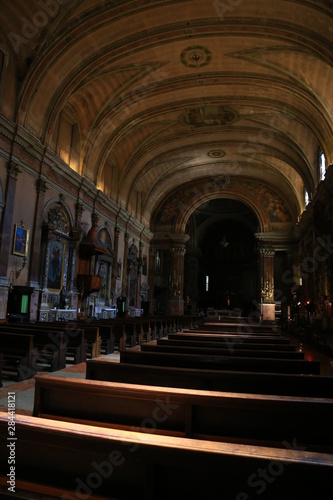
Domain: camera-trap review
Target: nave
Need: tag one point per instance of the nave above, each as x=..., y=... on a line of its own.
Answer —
x=117, y=427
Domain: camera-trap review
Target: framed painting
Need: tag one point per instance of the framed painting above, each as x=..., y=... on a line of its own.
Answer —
x=56, y=265
x=21, y=240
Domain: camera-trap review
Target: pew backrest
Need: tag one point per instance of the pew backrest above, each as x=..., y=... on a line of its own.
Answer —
x=220, y=416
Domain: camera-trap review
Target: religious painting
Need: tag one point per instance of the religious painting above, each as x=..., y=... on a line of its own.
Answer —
x=104, y=238
x=21, y=241
x=56, y=265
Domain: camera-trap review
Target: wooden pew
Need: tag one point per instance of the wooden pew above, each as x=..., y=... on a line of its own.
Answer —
x=235, y=345
x=264, y=420
x=19, y=355
x=91, y=345
x=67, y=460
x=219, y=351
x=76, y=345
x=229, y=339
x=213, y=380
x=51, y=349
x=107, y=338
x=214, y=362
x=239, y=326
x=242, y=330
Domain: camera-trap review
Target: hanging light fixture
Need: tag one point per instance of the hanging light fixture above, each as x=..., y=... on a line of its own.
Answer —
x=224, y=243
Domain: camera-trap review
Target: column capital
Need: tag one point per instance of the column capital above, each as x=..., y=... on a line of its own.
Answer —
x=13, y=169
x=42, y=186
x=180, y=238
x=178, y=249
x=266, y=250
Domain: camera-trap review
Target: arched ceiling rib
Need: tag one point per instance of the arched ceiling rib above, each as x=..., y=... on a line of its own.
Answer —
x=160, y=87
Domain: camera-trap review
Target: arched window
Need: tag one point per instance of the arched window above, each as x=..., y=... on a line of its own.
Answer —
x=322, y=166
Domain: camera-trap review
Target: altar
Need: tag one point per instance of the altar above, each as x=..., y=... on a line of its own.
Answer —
x=223, y=313
x=57, y=315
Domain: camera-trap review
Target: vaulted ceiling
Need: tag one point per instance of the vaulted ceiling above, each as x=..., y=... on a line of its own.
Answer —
x=180, y=102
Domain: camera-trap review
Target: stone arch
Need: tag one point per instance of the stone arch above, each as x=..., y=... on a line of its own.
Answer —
x=201, y=198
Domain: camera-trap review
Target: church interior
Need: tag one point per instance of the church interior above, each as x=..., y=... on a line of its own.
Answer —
x=166, y=170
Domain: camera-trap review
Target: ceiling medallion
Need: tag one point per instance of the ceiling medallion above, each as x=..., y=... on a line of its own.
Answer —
x=216, y=153
x=196, y=56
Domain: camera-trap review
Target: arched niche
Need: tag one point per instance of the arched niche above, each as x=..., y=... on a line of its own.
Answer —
x=104, y=265
x=59, y=242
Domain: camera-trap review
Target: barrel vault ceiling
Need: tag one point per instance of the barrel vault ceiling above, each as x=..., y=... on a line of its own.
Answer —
x=180, y=102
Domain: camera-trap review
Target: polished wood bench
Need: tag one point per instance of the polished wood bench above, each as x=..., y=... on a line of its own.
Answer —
x=91, y=343
x=76, y=346
x=219, y=351
x=69, y=460
x=265, y=420
x=218, y=362
x=51, y=349
x=241, y=330
x=239, y=326
x=235, y=346
x=19, y=355
x=230, y=339
x=107, y=339
x=213, y=380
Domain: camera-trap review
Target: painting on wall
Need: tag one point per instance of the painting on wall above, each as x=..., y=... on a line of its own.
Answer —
x=104, y=238
x=56, y=265
x=21, y=241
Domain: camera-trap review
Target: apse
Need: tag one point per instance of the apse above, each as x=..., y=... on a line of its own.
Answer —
x=228, y=270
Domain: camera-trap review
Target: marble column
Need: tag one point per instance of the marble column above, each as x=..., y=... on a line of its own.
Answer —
x=175, y=304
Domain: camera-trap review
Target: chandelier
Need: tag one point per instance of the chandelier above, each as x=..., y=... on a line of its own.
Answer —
x=224, y=243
